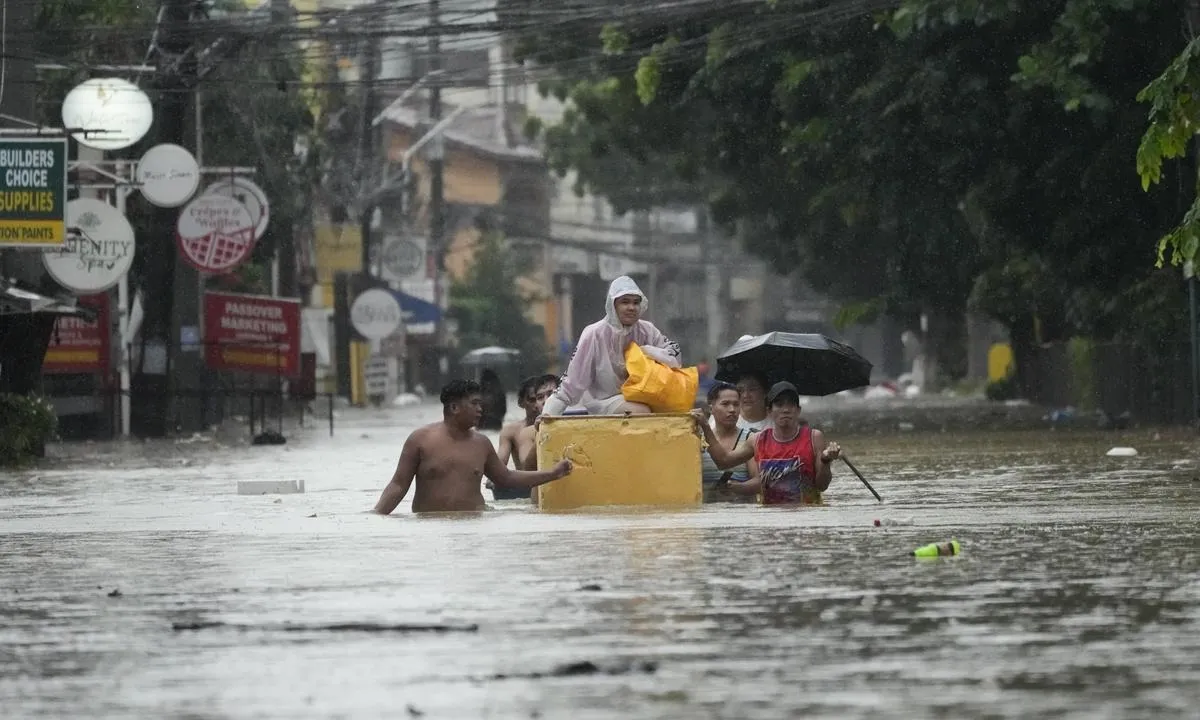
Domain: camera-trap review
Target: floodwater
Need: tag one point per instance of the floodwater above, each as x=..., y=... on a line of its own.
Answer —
x=1077, y=596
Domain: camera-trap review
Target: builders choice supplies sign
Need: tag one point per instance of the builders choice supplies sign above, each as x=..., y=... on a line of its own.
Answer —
x=33, y=192
x=252, y=333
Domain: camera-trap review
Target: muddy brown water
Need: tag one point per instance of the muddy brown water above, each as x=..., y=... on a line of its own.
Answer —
x=1077, y=596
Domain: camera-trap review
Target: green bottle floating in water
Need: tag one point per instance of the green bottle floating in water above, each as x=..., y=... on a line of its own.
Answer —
x=938, y=549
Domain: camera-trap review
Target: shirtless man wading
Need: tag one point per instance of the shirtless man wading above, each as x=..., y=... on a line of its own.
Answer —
x=449, y=460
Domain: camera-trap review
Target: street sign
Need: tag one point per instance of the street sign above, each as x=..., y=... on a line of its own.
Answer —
x=99, y=251
x=79, y=346
x=404, y=258
x=111, y=113
x=215, y=233
x=253, y=333
x=169, y=175
x=33, y=192
x=249, y=195
x=377, y=375
x=376, y=314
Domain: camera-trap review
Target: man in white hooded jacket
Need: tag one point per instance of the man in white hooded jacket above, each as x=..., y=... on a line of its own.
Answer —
x=597, y=369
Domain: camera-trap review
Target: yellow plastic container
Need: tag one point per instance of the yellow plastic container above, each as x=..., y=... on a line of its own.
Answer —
x=635, y=460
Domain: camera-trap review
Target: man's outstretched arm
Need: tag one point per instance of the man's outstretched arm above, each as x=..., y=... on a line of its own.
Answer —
x=406, y=468
x=506, y=478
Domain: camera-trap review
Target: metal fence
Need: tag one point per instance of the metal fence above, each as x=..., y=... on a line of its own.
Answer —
x=1153, y=384
x=96, y=414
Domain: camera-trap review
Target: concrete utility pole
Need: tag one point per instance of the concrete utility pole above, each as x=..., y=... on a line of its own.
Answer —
x=285, y=248
x=716, y=285
x=183, y=372
x=366, y=144
x=437, y=190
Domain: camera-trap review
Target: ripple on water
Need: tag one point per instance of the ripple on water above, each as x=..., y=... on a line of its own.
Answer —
x=1076, y=596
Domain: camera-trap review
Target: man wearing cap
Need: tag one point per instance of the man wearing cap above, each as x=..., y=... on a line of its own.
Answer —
x=793, y=459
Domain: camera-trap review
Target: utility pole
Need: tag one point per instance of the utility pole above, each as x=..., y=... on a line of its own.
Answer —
x=1192, y=26
x=437, y=190
x=285, y=245
x=367, y=145
x=172, y=374
x=716, y=305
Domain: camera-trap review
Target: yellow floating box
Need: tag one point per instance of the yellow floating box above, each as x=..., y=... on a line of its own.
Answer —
x=635, y=460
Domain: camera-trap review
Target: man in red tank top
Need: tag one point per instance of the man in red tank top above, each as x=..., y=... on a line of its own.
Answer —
x=793, y=459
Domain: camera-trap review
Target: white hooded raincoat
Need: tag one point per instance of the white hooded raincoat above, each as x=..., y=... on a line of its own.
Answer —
x=597, y=369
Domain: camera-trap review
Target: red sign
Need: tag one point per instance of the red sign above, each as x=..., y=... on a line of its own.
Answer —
x=252, y=333
x=79, y=346
x=215, y=233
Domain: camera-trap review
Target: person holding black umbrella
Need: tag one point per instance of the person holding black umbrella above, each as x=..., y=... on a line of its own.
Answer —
x=794, y=460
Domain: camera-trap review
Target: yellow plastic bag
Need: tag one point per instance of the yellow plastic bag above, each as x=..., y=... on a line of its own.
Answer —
x=663, y=389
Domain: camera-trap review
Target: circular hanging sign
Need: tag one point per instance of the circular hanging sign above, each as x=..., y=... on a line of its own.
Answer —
x=375, y=314
x=404, y=258
x=248, y=194
x=215, y=233
x=168, y=175
x=116, y=111
x=99, y=248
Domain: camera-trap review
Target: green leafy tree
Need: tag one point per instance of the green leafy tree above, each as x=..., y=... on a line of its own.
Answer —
x=944, y=152
x=490, y=307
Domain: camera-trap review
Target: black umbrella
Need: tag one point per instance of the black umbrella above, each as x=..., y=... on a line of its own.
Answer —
x=813, y=363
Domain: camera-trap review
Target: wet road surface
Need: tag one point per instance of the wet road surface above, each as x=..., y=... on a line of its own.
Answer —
x=1078, y=594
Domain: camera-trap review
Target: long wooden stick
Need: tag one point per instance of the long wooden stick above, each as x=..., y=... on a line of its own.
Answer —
x=860, y=477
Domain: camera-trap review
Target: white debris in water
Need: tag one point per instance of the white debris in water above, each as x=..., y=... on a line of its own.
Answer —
x=270, y=487
x=1122, y=452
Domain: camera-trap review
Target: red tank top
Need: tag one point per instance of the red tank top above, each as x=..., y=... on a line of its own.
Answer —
x=788, y=469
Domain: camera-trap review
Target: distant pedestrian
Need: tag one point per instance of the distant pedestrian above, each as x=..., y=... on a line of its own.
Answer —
x=495, y=404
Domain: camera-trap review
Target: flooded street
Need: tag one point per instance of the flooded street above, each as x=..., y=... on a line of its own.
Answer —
x=1078, y=594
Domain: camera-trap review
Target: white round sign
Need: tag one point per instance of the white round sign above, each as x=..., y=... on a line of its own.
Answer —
x=248, y=194
x=215, y=233
x=376, y=314
x=403, y=258
x=99, y=248
x=116, y=110
x=169, y=175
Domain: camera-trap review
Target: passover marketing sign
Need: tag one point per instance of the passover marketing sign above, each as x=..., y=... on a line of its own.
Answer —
x=252, y=333
x=33, y=192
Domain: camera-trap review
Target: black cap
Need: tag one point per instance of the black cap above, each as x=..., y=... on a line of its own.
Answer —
x=780, y=388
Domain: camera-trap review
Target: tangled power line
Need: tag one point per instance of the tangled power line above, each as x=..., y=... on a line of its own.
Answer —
x=323, y=37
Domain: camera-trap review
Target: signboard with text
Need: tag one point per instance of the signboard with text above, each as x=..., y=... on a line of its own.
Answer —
x=79, y=346
x=252, y=333
x=33, y=192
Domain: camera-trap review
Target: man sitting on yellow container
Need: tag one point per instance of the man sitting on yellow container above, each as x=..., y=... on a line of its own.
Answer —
x=597, y=369
x=793, y=459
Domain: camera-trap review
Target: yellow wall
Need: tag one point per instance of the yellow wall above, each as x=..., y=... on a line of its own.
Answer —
x=338, y=248
x=468, y=178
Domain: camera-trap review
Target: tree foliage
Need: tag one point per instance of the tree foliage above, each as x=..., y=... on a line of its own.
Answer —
x=489, y=305
x=944, y=153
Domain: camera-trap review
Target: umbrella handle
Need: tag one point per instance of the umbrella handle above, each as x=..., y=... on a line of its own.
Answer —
x=860, y=477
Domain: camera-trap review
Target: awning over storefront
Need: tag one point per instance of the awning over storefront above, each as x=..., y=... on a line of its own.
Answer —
x=15, y=300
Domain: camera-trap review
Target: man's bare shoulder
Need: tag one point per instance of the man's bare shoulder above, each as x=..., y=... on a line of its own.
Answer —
x=512, y=428
x=478, y=438
x=425, y=433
